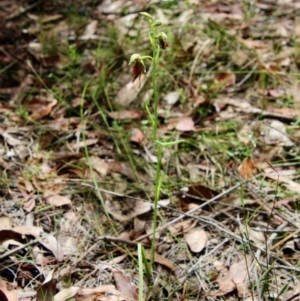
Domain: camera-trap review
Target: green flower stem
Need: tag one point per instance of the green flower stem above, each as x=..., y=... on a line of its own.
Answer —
x=155, y=52
x=158, y=182
x=155, y=93
x=158, y=175
x=157, y=41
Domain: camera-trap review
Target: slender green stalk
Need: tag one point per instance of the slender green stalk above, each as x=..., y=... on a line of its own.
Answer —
x=158, y=182
x=141, y=272
x=155, y=53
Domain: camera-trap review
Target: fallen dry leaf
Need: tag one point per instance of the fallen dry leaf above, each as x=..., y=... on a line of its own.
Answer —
x=6, y=293
x=109, y=289
x=226, y=79
x=121, y=115
x=158, y=259
x=171, y=98
x=191, y=195
x=239, y=272
x=29, y=205
x=130, y=91
x=290, y=113
x=58, y=200
x=38, y=255
x=182, y=226
x=125, y=286
x=185, y=124
x=281, y=178
x=5, y=223
x=246, y=168
x=137, y=136
x=98, y=165
x=224, y=281
x=275, y=134
x=196, y=239
x=66, y=293
x=47, y=240
x=233, y=278
x=69, y=244
x=41, y=107
x=90, y=30
x=11, y=140
x=47, y=290
x=124, y=210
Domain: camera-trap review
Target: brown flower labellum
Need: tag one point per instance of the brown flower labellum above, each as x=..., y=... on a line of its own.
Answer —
x=137, y=70
x=162, y=40
x=162, y=43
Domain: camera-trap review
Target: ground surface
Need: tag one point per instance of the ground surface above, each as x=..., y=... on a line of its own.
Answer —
x=79, y=163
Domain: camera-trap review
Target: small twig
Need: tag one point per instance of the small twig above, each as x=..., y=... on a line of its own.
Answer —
x=213, y=251
x=284, y=240
x=188, y=213
x=19, y=248
x=21, y=10
x=275, y=234
x=285, y=267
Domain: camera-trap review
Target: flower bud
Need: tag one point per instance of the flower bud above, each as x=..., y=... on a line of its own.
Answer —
x=138, y=67
x=162, y=40
x=148, y=16
x=134, y=57
x=157, y=23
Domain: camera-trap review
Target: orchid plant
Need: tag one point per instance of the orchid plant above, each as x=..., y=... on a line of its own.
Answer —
x=158, y=41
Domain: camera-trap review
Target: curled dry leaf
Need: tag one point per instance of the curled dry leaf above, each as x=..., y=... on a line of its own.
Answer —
x=69, y=244
x=41, y=107
x=29, y=205
x=109, y=289
x=121, y=115
x=48, y=289
x=247, y=168
x=280, y=177
x=192, y=194
x=99, y=165
x=185, y=124
x=127, y=209
x=158, y=259
x=275, y=134
x=125, y=286
x=182, y=226
x=58, y=200
x=171, y=98
x=11, y=140
x=225, y=283
x=226, y=79
x=233, y=278
x=196, y=239
x=66, y=293
x=117, y=259
x=47, y=240
x=78, y=101
x=130, y=91
x=90, y=30
x=137, y=136
x=238, y=272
